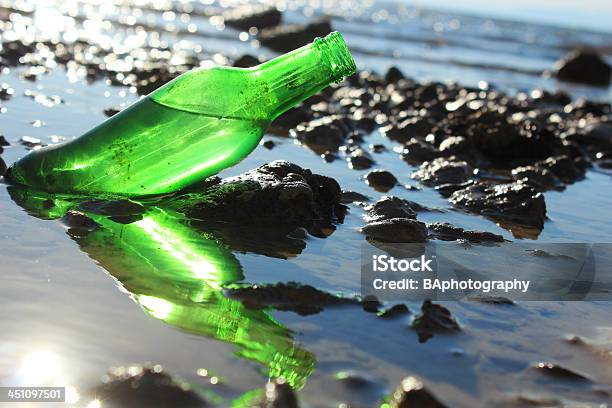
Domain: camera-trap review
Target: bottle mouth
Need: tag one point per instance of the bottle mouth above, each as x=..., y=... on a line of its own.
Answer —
x=336, y=55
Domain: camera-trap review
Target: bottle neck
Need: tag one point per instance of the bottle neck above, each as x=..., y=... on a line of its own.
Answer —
x=297, y=75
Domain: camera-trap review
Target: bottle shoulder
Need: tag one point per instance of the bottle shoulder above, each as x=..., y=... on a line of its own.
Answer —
x=227, y=92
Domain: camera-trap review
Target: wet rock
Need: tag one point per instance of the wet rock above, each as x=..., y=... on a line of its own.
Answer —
x=246, y=61
x=252, y=15
x=412, y=393
x=276, y=194
x=453, y=145
x=292, y=296
x=559, y=372
x=538, y=177
x=2, y=166
x=404, y=131
x=370, y=304
x=434, y=318
x=529, y=401
x=12, y=51
x=329, y=156
x=393, y=75
x=443, y=171
x=417, y=151
x=585, y=67
x=512, y=203
x=144, y=387
x=396, y=230
x=268, y=144
x=289, y=120
x=6, y=92
x=3, y=141
x=448, y=232
x=111, y=111
x=353, y=197
x=353, y=380
x=286, y=38
x=78, y=223
x=564, y=168
x=399, y=310
x=377, y=148
x=278, y=394
x=381, y=180
x=491, y=300
x=359, y=159
x=323, y=134
x=113, y=208
x=31, y=142
x=391, y=207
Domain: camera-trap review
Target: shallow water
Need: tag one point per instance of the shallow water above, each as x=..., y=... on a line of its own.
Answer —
x=65, y=319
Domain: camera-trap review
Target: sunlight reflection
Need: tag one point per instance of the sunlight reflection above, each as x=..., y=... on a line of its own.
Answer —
x=43, y=368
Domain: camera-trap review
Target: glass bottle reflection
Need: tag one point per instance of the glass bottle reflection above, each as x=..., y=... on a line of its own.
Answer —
x=176, y=274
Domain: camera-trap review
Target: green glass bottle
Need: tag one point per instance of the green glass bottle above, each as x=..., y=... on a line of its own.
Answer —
x=201, y=122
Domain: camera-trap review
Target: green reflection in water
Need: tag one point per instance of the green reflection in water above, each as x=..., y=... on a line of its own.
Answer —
x=176, y=274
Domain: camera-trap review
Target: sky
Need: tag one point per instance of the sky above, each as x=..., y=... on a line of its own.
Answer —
x=590, y=14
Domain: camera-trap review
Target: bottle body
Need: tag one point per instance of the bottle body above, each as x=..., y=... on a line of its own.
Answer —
x=194, y=126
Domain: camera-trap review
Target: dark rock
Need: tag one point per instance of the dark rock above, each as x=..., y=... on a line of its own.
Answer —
x=585, y=67
x=412, y=393
x=558, y=372
x=399, y=310
x=404, y=131
x=12, y=51
x=393, y=75
x=3, y=141
x=268, y=144
x=448, y=232
x=396, y=230
x=144, y=387
x=359, y=159
x=275, y=194
x=252, y=15
x=6, y=92
x=378, y=148
x=323, y=134
x=353, y=197
x=453, y=145
x=381, y=180
x=529, y=401
x=2, y=166
x=370, y=304
x=246, y=61
x=278, y=394
x=391, y=207
x=513, y=203
x=540, y=178
x=433, y=319
x=290, y=119
x=78, y=223
x=285, y=38
x=447, y=189
x=417, y=151
x=113, y=208
x=564, y=168
x=491, y=300
x=302, y=299
x=443, y=171
x=111, y=111
x=353, y=380
x=31, y=142
x=329, y=156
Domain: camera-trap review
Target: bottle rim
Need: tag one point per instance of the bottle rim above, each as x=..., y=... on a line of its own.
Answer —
x=336, y=55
